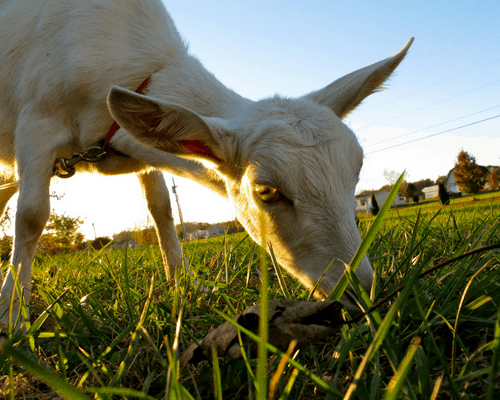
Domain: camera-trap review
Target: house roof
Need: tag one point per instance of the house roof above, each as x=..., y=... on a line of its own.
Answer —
x=449, y=173
x=361, y=196
x=429, y=188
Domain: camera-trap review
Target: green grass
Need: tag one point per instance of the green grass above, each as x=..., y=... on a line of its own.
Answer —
x=465, y=204
x=109, y=325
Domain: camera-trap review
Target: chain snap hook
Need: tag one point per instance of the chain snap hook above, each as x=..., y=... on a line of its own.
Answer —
x=93, y=154
x=65, y=168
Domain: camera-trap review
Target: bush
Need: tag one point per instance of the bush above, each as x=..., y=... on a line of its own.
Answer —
x=101, y=242
x=146, y=236
x=444, y=197
x=375, y=208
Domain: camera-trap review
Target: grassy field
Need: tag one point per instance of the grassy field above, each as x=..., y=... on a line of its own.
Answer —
x=109, y=325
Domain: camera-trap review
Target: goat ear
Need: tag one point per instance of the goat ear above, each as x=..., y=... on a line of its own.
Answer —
x=346, y=93
x=165, y=126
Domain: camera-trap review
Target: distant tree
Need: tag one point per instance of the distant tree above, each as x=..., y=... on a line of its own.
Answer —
x=62, y=234
x=235, y=226
x=5, y=247
x=404, y=187
x=444, y=198
x=411, y=190
x=392, y=176
x=493, y=178
x=441, y=179
x=203, y=225
x=416, y=199
x=146, y=236
x=375, y=208
x=124, y=236
x=5, y=241
x=6, y=221
x=423, y=183
x=387, y=186
x=101, y=242
x=470, y=177
x=178, y=230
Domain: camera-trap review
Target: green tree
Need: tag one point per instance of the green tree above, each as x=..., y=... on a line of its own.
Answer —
x=6, y=241
x=423, y=183
x=100, y=242
x=203, y=225
x=470, y=177
x=6, y=221
x=375, y=208
x=61, y=235
x=146, y=236
x=5, y=247
x=493, y=178
x=441, y=179
x=124, y=236
x=411, y=191
x=391, y=177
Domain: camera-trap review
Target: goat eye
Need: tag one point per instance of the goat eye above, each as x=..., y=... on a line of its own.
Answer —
x=268, y=194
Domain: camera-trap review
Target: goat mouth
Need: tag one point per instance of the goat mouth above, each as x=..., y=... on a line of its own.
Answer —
x=350, y=302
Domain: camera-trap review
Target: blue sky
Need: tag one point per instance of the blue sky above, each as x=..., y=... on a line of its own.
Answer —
x=259, y=48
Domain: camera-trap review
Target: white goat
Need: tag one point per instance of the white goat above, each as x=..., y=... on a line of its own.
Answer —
x=290, y=165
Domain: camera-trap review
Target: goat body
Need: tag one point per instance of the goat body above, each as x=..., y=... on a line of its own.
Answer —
x=288, y=166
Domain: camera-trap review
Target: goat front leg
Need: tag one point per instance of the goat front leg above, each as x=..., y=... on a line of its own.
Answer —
x=158, y=199
x=5, y=195
x=37, y=142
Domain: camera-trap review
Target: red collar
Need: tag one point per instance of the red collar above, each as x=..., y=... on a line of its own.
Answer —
x=106, y=147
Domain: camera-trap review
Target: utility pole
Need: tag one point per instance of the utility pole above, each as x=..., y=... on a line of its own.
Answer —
x=179, y=208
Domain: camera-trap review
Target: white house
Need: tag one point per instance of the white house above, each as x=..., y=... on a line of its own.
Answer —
x=198, y=234
x=128, y=244
x=206, y=233
x=431, y=192
x=451, y=182
x=364, y=202
x=216, y=231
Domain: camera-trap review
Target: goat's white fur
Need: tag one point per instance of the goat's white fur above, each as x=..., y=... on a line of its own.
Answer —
x=58, y=62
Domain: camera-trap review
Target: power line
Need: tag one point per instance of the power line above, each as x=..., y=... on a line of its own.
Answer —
x=441, y=101
x=436, y=84
x=433, y=126
x=434, y=134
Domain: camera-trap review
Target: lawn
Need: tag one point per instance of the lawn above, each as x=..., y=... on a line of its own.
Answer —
x=466, y=203
x=109, y=325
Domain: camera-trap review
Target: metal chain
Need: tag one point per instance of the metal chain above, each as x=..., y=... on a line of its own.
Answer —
x=65, y=167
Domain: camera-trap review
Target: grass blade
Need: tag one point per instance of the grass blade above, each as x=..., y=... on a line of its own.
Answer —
x=341, y=285
x=216, y=374
x=316, y=379
x=263, y=321
x=55, y=381
x=398, y=380
x=279, y=274
x=495, y=369
x=119, y=391
x=382, y=332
